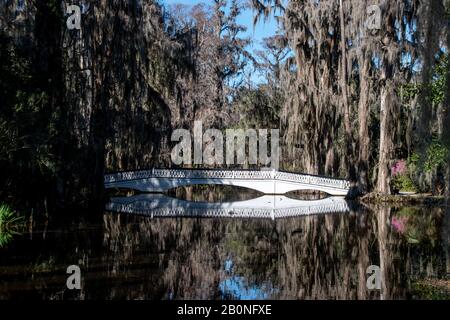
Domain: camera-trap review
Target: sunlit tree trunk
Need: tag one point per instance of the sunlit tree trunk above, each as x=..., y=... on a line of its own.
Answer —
x=383, y=182
x=345, y=103
x=363, y=132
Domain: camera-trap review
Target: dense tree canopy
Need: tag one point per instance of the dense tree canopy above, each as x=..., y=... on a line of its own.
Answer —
x=350, y=100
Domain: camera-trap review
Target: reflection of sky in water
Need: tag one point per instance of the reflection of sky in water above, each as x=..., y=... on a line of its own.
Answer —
x=237, y=287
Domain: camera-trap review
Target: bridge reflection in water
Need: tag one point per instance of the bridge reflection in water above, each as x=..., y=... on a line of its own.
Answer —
x=265, y=207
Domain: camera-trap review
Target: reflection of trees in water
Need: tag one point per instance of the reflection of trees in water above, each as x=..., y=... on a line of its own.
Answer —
x=214, y=193
x=321, y=256
x=312, y=257
x=225, y=193
x=183, y=255
x=133, y=257
x=404, y=261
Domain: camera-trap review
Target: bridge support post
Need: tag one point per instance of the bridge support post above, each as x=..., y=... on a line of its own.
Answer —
x=273, y=176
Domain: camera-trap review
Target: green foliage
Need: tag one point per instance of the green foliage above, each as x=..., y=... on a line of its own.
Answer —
x=259, y=108
x=428, y=290
x=437, y=86
x=413, y=160
x=25, y=123
x=439, y=83
x=403, y=182
x=409, y=91
x=437, y=154
x=10, y=224
x=402, y=175
x=435, y=157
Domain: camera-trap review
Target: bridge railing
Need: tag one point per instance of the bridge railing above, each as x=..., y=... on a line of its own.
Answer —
x=187, y=174
x=147, y=209
x=227, y=174
x=313, y=180
x=210, y=174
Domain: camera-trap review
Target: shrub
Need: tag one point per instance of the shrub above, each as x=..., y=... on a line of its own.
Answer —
x=437, y=155
x=401, y=180
x=10, y=224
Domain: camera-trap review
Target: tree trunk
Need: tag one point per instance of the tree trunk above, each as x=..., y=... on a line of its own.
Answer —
x=363, y=117
x=383, y=182
x=343, y=83
x=446, y=114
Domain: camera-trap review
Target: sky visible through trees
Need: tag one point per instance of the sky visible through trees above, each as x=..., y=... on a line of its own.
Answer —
x=256, y=32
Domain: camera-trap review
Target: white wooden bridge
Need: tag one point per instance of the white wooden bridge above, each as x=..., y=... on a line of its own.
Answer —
x=265, y=207
x=265, y=181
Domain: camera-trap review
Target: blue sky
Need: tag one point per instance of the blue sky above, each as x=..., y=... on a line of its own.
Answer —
x=257, y=33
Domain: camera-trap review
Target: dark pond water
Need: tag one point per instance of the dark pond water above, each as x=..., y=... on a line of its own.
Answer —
x=323, y=256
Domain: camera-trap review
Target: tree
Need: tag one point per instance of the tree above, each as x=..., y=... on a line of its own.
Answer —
x=219, y=57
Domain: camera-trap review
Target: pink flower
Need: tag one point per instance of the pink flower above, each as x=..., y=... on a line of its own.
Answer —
x=398, y=168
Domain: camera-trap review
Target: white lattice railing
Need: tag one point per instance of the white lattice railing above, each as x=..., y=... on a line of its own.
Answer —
x=143, y=209
x=227, y=174
x=313, y=180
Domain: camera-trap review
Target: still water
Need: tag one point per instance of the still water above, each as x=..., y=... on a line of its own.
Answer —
x=314, y=256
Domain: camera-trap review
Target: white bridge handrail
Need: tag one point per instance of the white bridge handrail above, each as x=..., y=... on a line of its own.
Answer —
x=228, y=174
x=159, y=205
x=236, y=213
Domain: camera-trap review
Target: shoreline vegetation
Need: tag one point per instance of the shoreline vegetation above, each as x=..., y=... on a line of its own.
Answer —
x=404, y=199
x=431, y=289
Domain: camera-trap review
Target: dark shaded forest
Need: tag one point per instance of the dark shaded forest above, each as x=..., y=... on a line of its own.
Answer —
x=370, y=105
